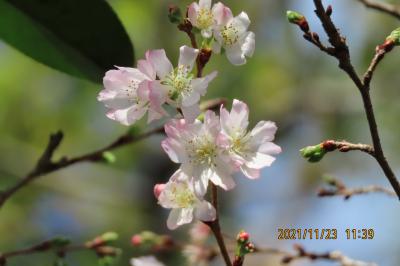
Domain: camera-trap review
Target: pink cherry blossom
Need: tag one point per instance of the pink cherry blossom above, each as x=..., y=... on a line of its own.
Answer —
x=251, y=151
x=195, y=147
x=231, y=33
x=178, y=195
x=179, y=84
x=128, y=96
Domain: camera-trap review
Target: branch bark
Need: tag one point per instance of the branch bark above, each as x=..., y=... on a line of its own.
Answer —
x=390, y=9
x=340, y=51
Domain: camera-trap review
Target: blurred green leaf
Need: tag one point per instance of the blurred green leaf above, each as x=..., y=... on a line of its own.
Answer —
x=81, y=38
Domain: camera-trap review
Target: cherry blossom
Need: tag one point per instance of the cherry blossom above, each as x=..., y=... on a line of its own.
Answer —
x=179, y=84
x=128, y=96
x=195, y=147
x=146, y=261
x=231, y=33
x=178, y=195
x=203, y=17
x=251, y=151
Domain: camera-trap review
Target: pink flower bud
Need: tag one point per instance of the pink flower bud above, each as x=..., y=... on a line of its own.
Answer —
x=136, y=240
x=243, y=236
x=158, y=189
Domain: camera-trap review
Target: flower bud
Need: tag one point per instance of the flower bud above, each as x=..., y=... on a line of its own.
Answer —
x=250, y=247
x=158, y=189
x=391, y=41
x=174, y=14
x=108, y=157
x=313, y=153
x=395, y=36
x=243, y=236
x=136, y=240
x=298, y=19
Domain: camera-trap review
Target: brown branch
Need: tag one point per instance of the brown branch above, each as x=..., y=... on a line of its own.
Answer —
x=216, y=228
x=383, y=7
x=338, y=188
x=302, y=253
x=345, y=146
x=46, y=164
x=61, y=248
x=340, y=51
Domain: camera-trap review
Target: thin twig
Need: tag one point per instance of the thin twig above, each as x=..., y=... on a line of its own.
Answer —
x=216, y=228
x=100, y=248
x=340, y=51
x=338, y=188
x=345, y=146
x=383, y=7
x=46, y=164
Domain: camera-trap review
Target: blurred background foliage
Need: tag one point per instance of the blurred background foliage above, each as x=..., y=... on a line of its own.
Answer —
x=287, y=81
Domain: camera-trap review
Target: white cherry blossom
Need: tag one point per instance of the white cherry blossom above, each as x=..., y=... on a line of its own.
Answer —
x=128, y=96
x=195, y=147
x=179, y=196
x=232, y=34
x=179, y=84
x=203, y=17
x=251, y=151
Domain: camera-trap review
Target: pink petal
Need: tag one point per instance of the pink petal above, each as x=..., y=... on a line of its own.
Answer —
x=146, y=68
x=260, y=160
x=193, y=10
x=222, y=13
x=205, y=4
x=160, y=62
x=204, y=211
x=187, y=56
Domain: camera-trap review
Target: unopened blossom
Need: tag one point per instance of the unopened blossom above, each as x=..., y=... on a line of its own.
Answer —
x=179, y=84
x=194, y=146
x=146, y=261
x=179, y=196
x=203, y=17
x=128, y=96
x=250, y=150
x=232, y=34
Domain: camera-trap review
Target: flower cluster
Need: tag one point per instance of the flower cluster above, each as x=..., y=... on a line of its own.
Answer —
x=130, y=93
x=229, y=32
x=212, y=151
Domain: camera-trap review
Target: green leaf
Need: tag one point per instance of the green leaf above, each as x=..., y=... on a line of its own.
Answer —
x=81, y=38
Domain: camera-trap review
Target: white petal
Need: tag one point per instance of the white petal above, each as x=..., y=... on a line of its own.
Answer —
x=178, y=217
x=190, y=113
x=160, y=62
x=235, y=55
x=175, y=150
x=260, y=160
x=114, y=99
x=187, y=56
x=264, y=131
x=269, y=148
x=127, y=116
x=204, y=211
x=200, y=185
x=147, y=68
x=249, y=44
x=201, y=84
x=238, y=119
x=222, y=13
x=250, y=172
x=190, y=99
x=220, y=177
x=242, y=21
x=206, y=4
x=193, y=10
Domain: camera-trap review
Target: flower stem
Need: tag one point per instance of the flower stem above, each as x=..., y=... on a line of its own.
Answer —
x=216, y=228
